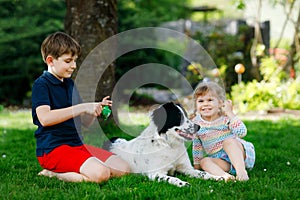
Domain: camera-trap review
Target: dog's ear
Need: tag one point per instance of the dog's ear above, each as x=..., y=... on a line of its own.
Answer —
x=182, y=108
x=152, y=109
x=160, y=116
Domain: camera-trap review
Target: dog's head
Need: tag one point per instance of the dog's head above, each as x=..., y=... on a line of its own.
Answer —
x=172, y=116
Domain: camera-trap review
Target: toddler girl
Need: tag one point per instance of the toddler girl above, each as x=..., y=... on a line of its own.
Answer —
x=217, y=146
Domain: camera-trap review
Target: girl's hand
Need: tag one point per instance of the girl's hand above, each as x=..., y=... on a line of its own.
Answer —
x=227, y=108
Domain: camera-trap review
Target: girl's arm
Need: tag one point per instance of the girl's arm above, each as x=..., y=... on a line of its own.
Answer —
x=236, y=125
x=197, y=166
x=197, y=152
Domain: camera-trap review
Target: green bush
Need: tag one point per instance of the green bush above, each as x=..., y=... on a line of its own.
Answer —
x=227, y=50
x=276, y=90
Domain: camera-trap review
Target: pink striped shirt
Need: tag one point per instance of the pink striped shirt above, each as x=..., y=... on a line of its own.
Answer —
x=210, y=137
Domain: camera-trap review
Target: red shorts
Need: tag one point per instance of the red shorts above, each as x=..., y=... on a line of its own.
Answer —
x=69, y=159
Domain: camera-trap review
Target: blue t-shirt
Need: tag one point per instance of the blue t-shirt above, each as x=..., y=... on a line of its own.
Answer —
x=48, y=90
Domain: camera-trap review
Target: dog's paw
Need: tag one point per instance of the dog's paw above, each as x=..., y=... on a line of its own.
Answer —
x=178, y=182
x=181, y=183
x=174, y=181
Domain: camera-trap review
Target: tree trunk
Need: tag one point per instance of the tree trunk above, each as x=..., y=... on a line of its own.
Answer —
x=91, y=22
x=288, y=18
x=295, y=49
x=256, y=41
x=297, y=35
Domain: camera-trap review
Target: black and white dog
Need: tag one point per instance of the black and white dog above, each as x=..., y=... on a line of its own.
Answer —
x=159, y=150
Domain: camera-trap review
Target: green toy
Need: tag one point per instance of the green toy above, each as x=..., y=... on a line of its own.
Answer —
x=106, y=111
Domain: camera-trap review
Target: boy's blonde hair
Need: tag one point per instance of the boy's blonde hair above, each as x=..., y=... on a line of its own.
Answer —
x=203, y=88
x=59, y=43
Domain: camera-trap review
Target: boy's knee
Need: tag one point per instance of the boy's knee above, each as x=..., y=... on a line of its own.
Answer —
x=101, y=175
x=123, y=169
x=118, y=166
x=126, y=169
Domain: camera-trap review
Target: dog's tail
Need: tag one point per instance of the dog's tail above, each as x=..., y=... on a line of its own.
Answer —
x=108, y=144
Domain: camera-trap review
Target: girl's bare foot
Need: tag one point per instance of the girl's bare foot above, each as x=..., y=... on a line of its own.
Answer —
x=46, y=172
x=228, y=177
x=242, y=176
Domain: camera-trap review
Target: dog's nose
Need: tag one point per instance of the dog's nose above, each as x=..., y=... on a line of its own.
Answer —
x=196, y=127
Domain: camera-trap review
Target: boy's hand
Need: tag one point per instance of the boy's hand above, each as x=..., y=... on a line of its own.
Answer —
x=94, y=109
x=106, y=102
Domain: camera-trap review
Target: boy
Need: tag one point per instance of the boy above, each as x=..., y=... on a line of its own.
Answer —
x=56, y=106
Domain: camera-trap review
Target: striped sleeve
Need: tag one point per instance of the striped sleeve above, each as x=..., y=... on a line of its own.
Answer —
x=237, y=127
x=197, y=150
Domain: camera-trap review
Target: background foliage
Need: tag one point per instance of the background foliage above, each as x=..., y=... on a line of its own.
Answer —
x=135, y=14
x=24, y=25
x=276, y=90
x=227, y=50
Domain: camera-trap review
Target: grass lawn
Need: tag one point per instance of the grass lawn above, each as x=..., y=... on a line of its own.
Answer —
x=276, y=174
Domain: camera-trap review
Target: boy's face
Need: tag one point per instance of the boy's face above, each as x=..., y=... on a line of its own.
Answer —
x=63, y=66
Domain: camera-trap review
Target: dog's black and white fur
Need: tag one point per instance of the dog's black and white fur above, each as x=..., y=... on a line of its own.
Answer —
x=159, y=150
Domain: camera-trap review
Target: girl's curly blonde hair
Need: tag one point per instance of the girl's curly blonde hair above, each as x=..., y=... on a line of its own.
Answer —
x=203, y=88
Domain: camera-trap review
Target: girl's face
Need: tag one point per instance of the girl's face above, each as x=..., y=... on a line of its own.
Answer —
x=63, y=66
x=208, y=106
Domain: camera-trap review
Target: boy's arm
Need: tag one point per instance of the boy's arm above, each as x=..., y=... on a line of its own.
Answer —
x=87, y=120
x=48, y=117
